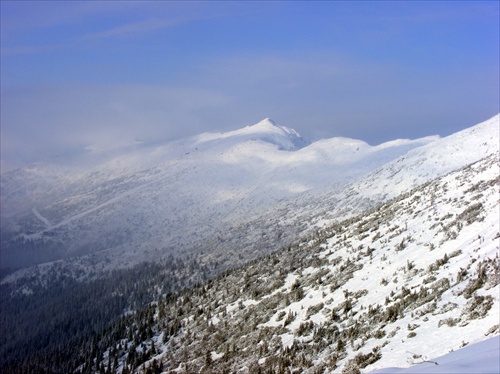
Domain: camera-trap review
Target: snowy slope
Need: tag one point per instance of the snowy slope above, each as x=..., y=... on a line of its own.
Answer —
x=168, y=198
x=233, y=194
x=479, y=358
x=411, y=280
x=397, y=175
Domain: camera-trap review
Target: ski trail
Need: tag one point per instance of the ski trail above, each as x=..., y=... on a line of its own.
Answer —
x=45, y=221
x=113, y=200
x=88, y=211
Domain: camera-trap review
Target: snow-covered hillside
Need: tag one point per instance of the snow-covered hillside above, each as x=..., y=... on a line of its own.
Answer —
x=228, y=197
x=479, y=358
x=346, y=256
x=398, y=175
x=415, y=278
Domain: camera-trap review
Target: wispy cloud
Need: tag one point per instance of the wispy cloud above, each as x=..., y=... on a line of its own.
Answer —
x=132, y=28
x=100, y=117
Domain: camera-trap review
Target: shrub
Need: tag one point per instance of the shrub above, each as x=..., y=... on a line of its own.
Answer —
x=379, y=334
x=351, y=368
x=280, y=316
x=448, y=321
x=313, y=309
x=477, y=307
x=363, y=360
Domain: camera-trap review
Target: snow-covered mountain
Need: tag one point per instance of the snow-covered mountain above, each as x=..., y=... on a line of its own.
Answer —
x=345, y=256
x=233, y=194
x=414, y=279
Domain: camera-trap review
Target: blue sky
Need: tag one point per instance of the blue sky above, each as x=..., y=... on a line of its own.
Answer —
x=98, y=75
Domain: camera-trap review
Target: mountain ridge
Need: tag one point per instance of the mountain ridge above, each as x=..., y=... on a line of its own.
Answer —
x=238, y=258
x=366, y=293
x=238, y=180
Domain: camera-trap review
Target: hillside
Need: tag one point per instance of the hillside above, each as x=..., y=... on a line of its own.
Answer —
x=227, y=197
x=113, y=233
x=413, y=279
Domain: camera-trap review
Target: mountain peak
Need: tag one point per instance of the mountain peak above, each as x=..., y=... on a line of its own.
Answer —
x=267, y=122
x=266, y=125
x=284, y=137
x=266, y=131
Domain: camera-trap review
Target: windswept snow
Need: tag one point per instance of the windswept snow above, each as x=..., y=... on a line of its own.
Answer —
x=478, y=358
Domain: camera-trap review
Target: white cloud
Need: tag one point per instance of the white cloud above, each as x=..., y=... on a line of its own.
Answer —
x=133, y=28
x=52, y=119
